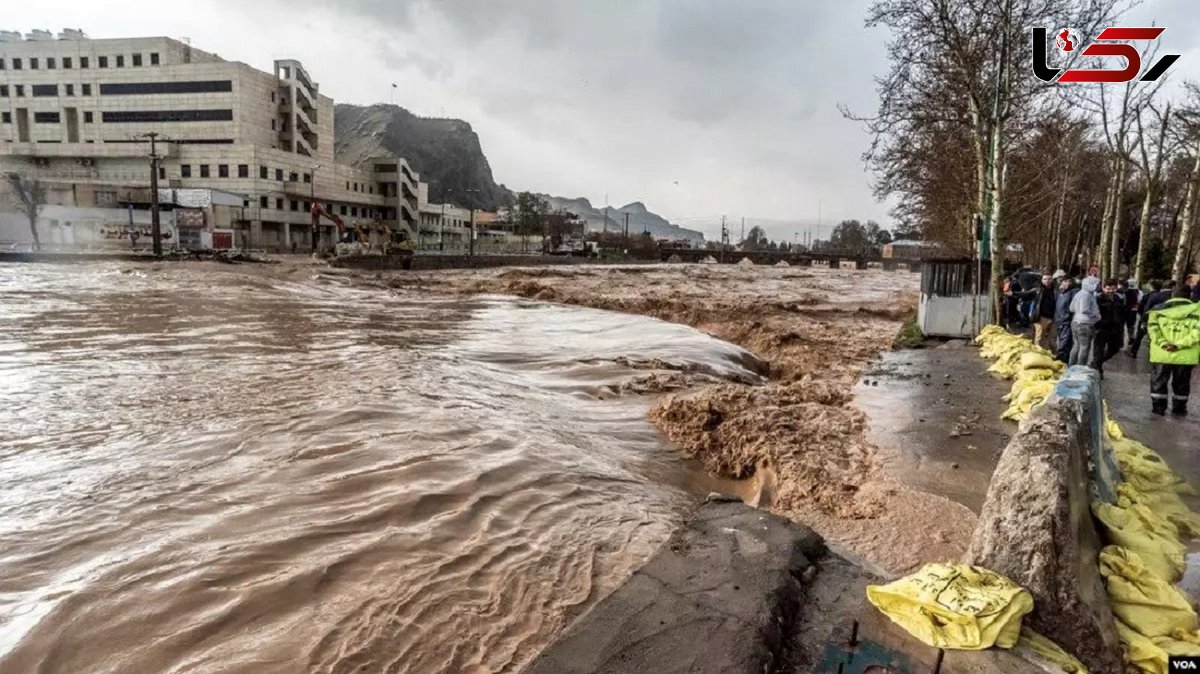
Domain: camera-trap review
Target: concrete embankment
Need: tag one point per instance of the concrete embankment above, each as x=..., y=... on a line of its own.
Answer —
x=1036, y=526
x=721, y=596
x=428, y=262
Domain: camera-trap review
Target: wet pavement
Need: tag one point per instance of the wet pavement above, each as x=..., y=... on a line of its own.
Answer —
x=935, y=419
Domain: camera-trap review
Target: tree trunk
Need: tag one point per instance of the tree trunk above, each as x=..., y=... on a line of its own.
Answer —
x=1144, y=234
x=1114, y=229
x=1106, y=217
x=998, y=240
x=1179, y=268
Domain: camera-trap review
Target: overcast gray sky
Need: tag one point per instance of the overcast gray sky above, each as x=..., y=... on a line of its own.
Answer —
x=697, y=107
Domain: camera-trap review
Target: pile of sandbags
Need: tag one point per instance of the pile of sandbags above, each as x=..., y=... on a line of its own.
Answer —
x=1033, y=369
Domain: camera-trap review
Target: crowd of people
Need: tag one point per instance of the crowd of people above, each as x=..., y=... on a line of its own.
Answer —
x=1087, y=322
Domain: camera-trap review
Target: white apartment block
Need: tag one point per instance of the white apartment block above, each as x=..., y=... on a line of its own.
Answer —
x=74, y=113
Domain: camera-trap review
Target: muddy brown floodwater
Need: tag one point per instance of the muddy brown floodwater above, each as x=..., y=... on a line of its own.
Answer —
x=798, y=435
x=248, y=469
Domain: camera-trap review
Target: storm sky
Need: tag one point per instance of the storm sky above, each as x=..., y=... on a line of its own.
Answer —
x=699, y=108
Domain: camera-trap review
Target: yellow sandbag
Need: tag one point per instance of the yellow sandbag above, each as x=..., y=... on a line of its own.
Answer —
x=1143, y=468
x=1050, y=651
x=1037, y=374
x=1142, y=599
x=1031, y=360
x=1164, y=503
x=955, y=606
x=1154, y=539
x=1141, y=655
x=1026, y=395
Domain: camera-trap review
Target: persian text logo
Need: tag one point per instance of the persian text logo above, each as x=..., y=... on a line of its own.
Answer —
x=1110, y=42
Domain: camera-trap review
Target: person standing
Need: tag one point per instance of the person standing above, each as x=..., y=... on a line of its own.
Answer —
x=1067, y=289
x=1174, y=331
x=1085, y=314
x=1044, y=297
x=1110, y=330
x=1150, y=301
x=1133, y=298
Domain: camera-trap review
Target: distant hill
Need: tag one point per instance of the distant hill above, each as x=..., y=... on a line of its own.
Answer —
x=447, y=154
x=641, y=219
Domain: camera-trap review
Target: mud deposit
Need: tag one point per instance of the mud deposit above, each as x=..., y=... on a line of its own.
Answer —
x=799, y=435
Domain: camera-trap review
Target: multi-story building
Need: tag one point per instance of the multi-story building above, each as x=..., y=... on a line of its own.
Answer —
x=74, y=114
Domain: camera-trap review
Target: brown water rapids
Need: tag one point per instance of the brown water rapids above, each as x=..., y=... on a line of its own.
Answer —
x=210, y=470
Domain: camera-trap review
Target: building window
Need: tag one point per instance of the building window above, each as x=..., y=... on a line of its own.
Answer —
x=44, y=90
x=101, y=61
x=262, y=202
x=347, y=185
x=120, y=60
x=154, y=58
x=66, y=62
x=243, y=170
x=46, y=118
x=3, y=91
x=33, y=63
x=87, y=117
x=279, y=203
x=354, y=211
x=185, y=170
x=162, y=173
x=307, y=207
x=137, y=60
x=106, y=198
x=83, y=62
x=308, y=177
x=85, y=89
x=293, y=177
x=50, y=63
x=279, y=175
x=295, y=205
x=272, y=124
x=262, y=172
x=168, y=116
x=70, y=89
x=223, y=170
x=371, y=189
x=204, y=170
x=16, y=64
x=7, y=117
x=136, y=88
x=272, y=93
x=343, y=209
x=2, y=66
x=19, y=89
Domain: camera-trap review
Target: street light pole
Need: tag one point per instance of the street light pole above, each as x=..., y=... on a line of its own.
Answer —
x=155, y=222
x=312, y=207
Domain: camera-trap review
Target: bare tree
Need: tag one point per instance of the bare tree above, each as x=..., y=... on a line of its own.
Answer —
x=960, y=70
x=1151, y=165
x=1183, y=250
x=28, y=194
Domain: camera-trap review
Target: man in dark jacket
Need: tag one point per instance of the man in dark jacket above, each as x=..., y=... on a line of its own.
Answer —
x=1110, y=331
x=1150, y=301
x=1045, y=301
x=1133, y=298
x=1062, y=317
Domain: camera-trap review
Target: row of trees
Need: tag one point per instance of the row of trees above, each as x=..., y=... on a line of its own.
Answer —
x=1102, y=174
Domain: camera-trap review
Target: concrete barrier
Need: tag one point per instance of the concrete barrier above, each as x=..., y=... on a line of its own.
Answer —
x=721, y=596
x=1036, y=526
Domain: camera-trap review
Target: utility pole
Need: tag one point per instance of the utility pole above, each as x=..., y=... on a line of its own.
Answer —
x=627, y=229
x=472, y=248
x=442, y=227
x=155, y=223
x=743, y=231
x=724, y=238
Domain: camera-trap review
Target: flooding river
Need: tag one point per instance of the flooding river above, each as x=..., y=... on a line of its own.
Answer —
x=206, y=469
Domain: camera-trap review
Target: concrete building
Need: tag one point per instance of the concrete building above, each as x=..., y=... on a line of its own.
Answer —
x=74, y=113
x=441, y=226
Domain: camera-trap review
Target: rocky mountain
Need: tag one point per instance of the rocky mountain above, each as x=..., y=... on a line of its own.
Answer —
x=447, y=154
x=641, y=219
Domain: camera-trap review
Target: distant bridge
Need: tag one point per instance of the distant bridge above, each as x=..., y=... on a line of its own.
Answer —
x=793, y=258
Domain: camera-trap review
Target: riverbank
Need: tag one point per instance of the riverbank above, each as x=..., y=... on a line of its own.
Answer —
x=799, y=437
